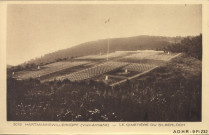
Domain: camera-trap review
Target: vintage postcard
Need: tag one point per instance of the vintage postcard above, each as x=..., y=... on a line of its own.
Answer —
x=104, y=67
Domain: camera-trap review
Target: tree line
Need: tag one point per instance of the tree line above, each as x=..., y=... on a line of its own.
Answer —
x=189, y=45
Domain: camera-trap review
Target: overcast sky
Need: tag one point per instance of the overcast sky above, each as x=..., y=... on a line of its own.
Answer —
x=34, y=30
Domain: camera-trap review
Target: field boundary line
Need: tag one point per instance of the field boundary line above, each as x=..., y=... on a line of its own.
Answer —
x=174, y=56
x=132, y=77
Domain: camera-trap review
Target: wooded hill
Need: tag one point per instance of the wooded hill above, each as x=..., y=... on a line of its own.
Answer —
x=100, y=46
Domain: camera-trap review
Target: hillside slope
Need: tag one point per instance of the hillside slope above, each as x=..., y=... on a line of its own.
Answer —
x=170, y=93
x=116, y=44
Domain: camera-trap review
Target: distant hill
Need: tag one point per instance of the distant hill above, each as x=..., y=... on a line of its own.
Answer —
x=9, y=66
x=116, y=44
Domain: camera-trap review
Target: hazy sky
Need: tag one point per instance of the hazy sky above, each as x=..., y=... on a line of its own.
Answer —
x=34, y=30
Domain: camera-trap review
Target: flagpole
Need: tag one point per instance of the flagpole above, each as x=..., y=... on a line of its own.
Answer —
x=108, y=39
x=108, y=44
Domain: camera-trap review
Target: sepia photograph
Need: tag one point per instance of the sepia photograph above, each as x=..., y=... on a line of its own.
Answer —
x=104, y=62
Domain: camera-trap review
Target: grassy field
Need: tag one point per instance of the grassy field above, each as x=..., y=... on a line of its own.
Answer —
x=91, y=66
x=112, y=55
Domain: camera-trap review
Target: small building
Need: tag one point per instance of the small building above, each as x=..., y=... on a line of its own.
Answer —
x=126, y=70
